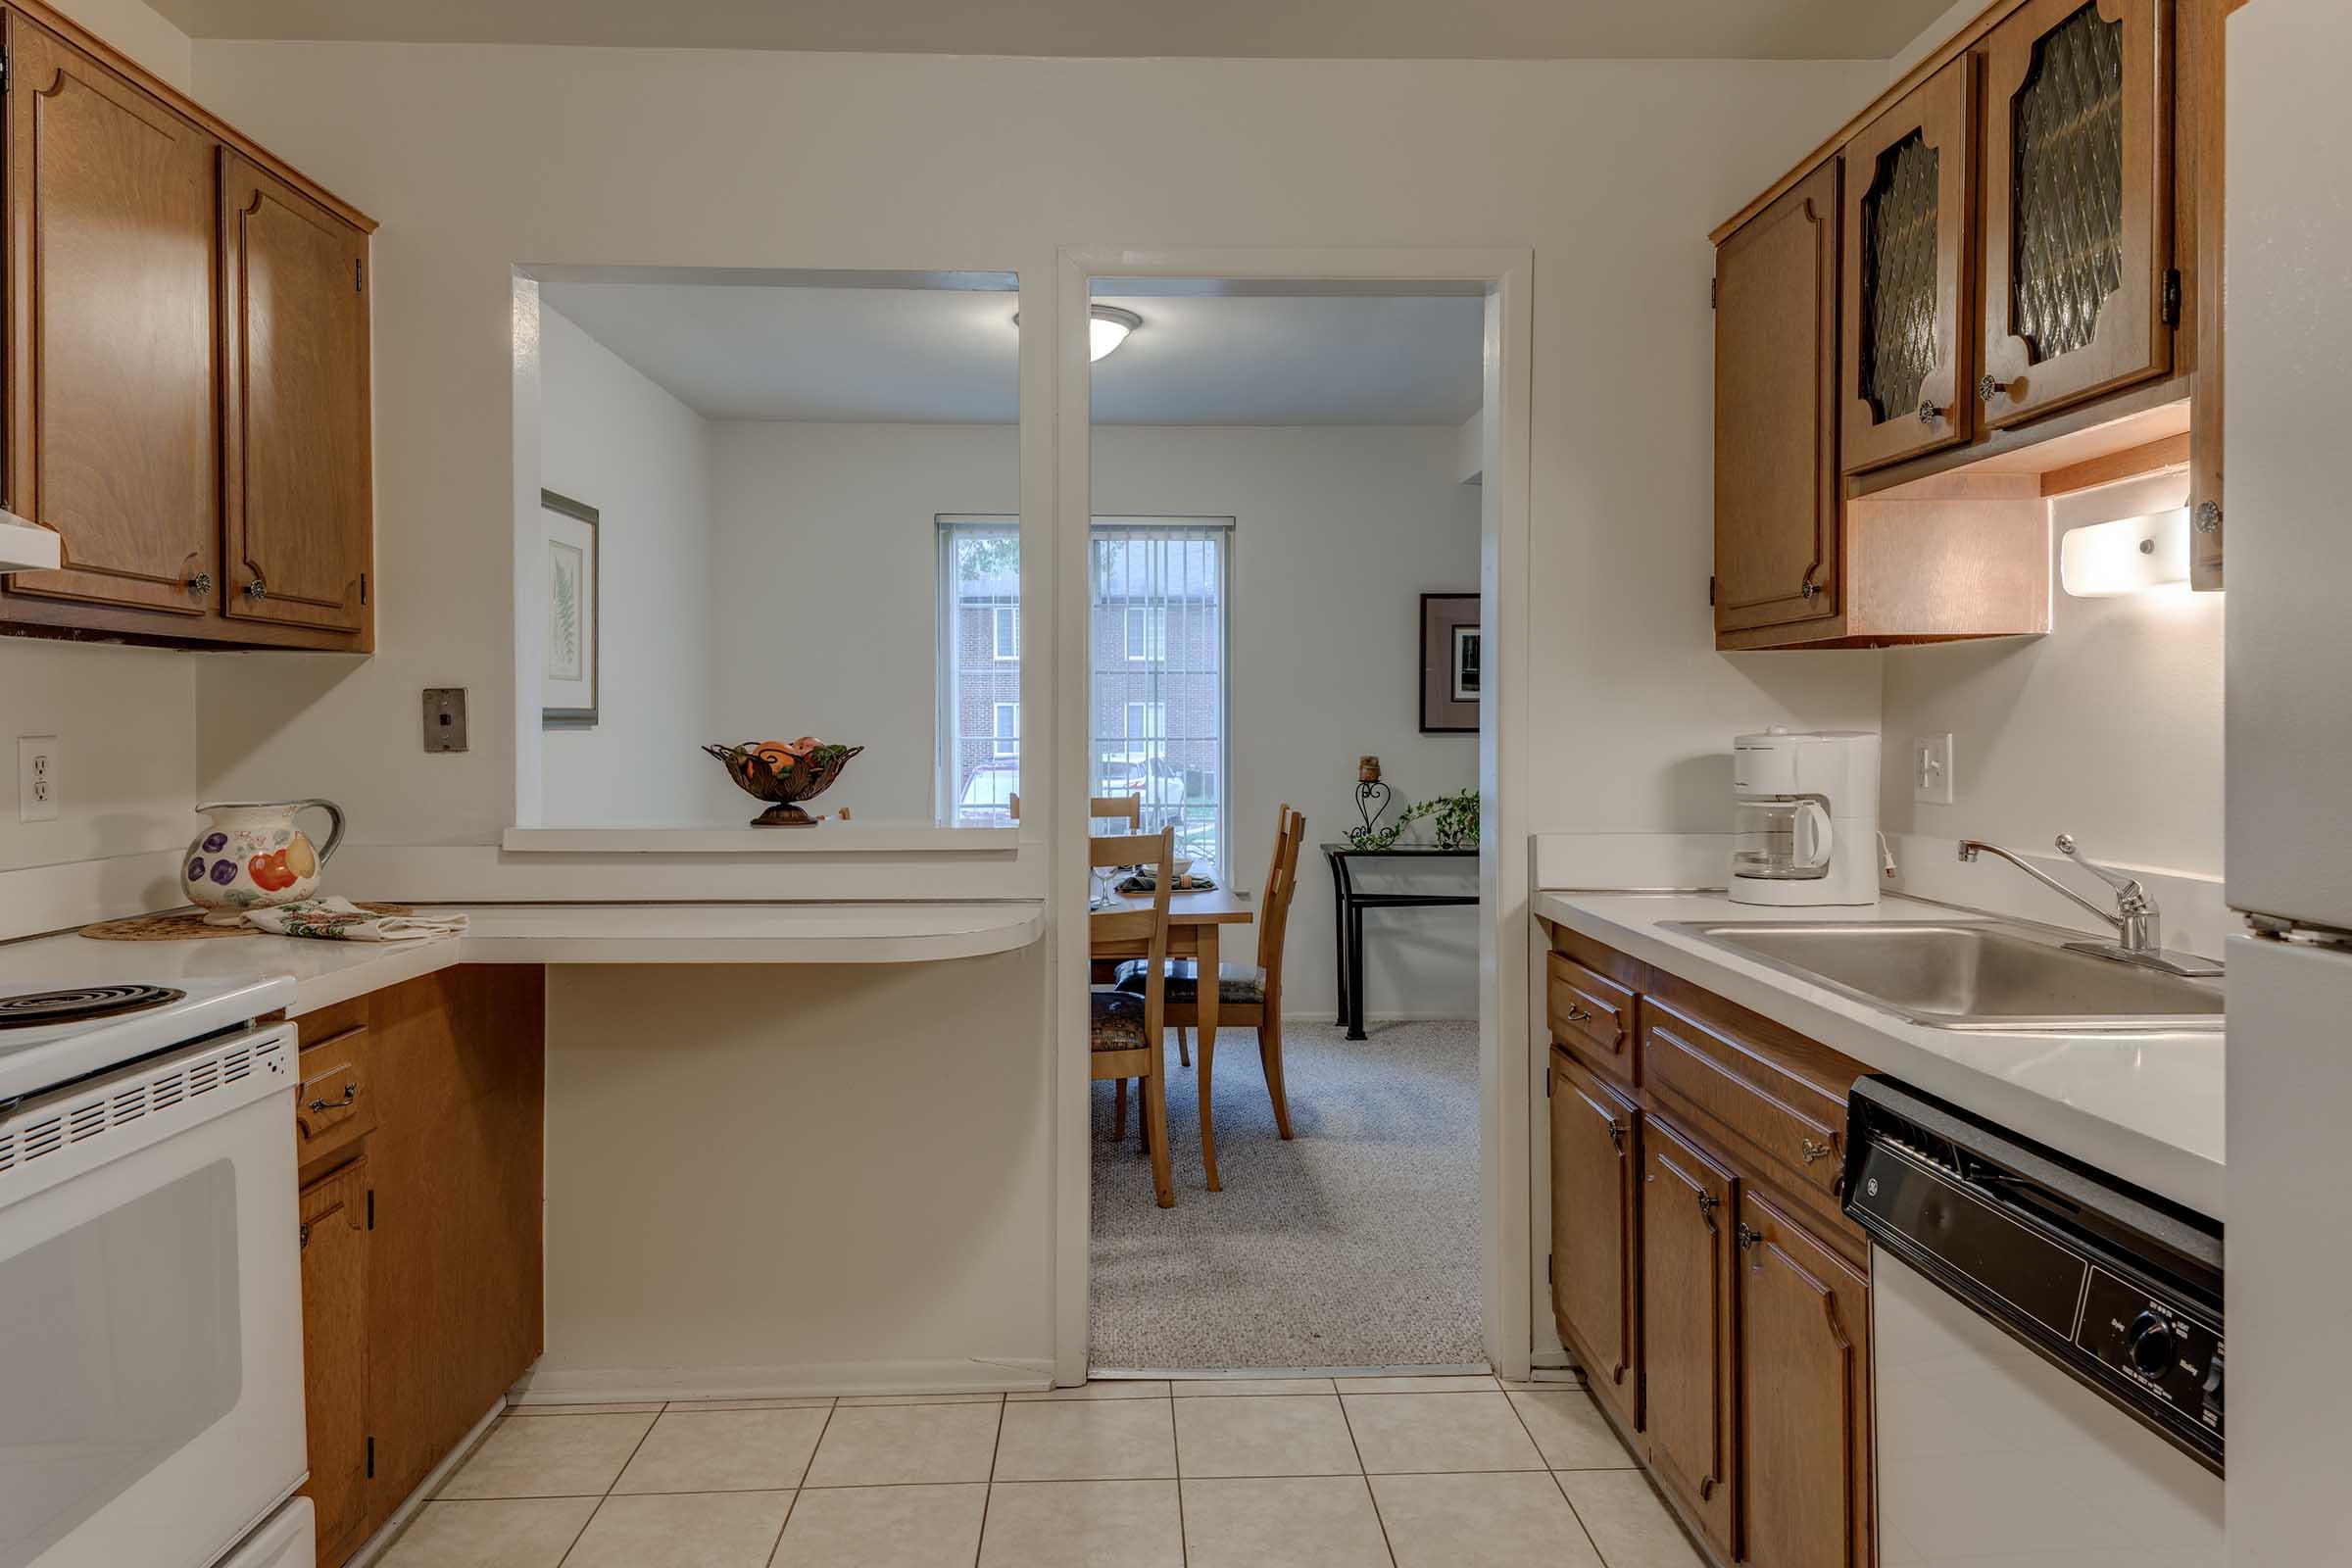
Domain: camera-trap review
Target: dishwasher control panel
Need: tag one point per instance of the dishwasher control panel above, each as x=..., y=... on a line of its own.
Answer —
x=2164, y=1349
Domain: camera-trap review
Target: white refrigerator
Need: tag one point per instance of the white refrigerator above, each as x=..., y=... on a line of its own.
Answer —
x=2288, y=486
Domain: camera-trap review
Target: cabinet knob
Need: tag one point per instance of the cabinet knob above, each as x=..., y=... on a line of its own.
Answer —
x=1988, y=389
x=2209, y=516
x=1929, y=413
x=1748, y=1236
x=201, y=583
x=257, y=589
x=1807, y=589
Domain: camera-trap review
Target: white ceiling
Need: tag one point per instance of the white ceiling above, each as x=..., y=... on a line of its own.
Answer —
x=937, y=356
x=1293, y=29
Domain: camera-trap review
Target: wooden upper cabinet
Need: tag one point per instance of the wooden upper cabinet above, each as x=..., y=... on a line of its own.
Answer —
x=1594, y=1213
x=2079, y=203
x=111, y=340
x=298, y=506
x=1908, y=348
x=1777, y=533
x=1804, y=1337
x=1687, y=1347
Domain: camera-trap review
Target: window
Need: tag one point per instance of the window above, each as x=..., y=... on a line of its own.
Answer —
x=979, y=640
x=1148, y=632
x=1157, y=589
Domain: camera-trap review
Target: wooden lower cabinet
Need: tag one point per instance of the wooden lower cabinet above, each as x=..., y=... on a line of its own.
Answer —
x=1703, y=1274
x=335, y=1254
x=422, y=1256
x=1595, y=1206
x=1805, y=1357
x=1689, y=1345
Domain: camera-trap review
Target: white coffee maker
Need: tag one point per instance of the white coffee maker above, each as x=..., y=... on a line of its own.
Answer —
x=1807, y=826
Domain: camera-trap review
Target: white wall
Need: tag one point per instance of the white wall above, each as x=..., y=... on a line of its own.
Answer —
x=613, y=439
x=765, y=159
x=823, y=602
x=2109, y=728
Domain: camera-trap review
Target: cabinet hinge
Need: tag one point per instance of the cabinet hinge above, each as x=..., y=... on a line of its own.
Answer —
x=362, y=587
x=372, y=1456
x=4, y=72
x=356, y=287
x=1714, y=288
x=372, y=1208
x=1547, y=1268
x=1710, y=590
x=2172, y=296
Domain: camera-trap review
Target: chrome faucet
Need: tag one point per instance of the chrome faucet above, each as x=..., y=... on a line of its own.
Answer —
x=2138, y=924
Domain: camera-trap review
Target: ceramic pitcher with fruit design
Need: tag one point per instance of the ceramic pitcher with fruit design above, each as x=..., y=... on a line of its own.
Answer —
x=252, y=854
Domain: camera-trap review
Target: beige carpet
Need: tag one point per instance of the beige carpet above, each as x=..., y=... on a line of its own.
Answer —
x=1356, y=1244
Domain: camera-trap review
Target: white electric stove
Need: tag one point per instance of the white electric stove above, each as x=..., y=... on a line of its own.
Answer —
x=150, y=1278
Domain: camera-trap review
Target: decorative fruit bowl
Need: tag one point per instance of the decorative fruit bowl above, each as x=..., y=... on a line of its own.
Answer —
x=784, y=772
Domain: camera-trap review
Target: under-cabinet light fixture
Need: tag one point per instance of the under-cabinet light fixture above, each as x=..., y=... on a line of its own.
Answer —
x=2128, y=556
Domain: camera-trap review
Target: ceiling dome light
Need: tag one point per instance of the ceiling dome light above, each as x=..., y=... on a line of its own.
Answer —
x=1109, y=328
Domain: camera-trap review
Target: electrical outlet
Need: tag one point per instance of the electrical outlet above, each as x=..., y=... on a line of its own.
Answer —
x=1932, y=769
x=38, y=782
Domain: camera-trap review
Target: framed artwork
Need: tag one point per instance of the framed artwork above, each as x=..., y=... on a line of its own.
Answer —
x=1452, y=663
x=568, y=680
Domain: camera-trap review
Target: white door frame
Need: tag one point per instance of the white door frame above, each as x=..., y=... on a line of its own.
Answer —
x=1506, y=274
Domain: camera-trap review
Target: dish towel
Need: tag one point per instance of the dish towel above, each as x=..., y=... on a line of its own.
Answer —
x=341, y=920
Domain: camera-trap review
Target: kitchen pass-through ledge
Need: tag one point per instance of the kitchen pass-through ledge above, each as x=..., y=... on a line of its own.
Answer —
x=825, y=838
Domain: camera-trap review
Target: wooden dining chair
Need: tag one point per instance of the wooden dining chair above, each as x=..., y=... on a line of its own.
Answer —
x=1129, y=1027
x=1248, y=995
x=1128, y=808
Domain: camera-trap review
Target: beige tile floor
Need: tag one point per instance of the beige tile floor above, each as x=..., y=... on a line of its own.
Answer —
x=1289, y=1473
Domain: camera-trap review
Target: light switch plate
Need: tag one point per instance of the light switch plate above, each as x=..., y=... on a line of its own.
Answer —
x=38, y=782
x=1932, y=769
x=445, y=719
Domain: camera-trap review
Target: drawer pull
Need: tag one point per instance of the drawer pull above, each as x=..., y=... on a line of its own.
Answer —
x=1576, y=1014
x=1707, y=1202
x=1617, y=1137
x=1815, y=1150
x=351, y=1092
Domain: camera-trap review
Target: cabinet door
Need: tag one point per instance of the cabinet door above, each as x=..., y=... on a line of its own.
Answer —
x=1594, y=1213
x=459, y=1069
x=1805, y=1358
x=1909, y=244
x=111, y=393
x=335, y=1354
x=1688, y=1209
x=1776, y=425
x=2078, y=211
x=295, y=439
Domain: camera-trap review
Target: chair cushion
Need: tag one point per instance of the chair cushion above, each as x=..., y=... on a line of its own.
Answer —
x=1241, y=984
x=1119, y=1023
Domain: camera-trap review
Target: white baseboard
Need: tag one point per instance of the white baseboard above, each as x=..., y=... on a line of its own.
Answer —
x=544, y=1384
x=378, y=1544
x=1324, y=1015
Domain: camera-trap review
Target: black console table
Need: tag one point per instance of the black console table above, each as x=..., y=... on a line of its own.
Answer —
x=1348, y=922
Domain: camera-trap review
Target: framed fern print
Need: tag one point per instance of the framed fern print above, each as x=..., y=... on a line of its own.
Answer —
x=568, y=674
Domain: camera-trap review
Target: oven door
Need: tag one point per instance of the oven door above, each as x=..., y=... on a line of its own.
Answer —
x=150, y=1310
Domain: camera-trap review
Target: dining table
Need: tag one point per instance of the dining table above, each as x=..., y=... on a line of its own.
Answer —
x=1194, y=921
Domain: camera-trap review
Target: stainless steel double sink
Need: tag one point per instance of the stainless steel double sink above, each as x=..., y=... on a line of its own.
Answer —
x=1976, y=975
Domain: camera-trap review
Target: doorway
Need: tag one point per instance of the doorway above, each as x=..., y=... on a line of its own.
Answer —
x=1286, y=460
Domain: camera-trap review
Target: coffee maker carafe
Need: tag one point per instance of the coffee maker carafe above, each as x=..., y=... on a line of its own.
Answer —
x=1805, y=829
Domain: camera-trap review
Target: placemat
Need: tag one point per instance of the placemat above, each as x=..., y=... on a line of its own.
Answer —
x=188, y=925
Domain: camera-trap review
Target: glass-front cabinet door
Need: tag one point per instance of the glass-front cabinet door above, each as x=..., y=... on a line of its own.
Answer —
x=2077, y=220
x=1908, y=350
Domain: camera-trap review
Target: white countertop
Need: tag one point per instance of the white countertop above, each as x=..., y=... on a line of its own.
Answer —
x=2146, y=1108
x=328, y=973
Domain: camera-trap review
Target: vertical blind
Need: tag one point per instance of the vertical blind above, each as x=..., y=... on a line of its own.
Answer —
x=1158, y=591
